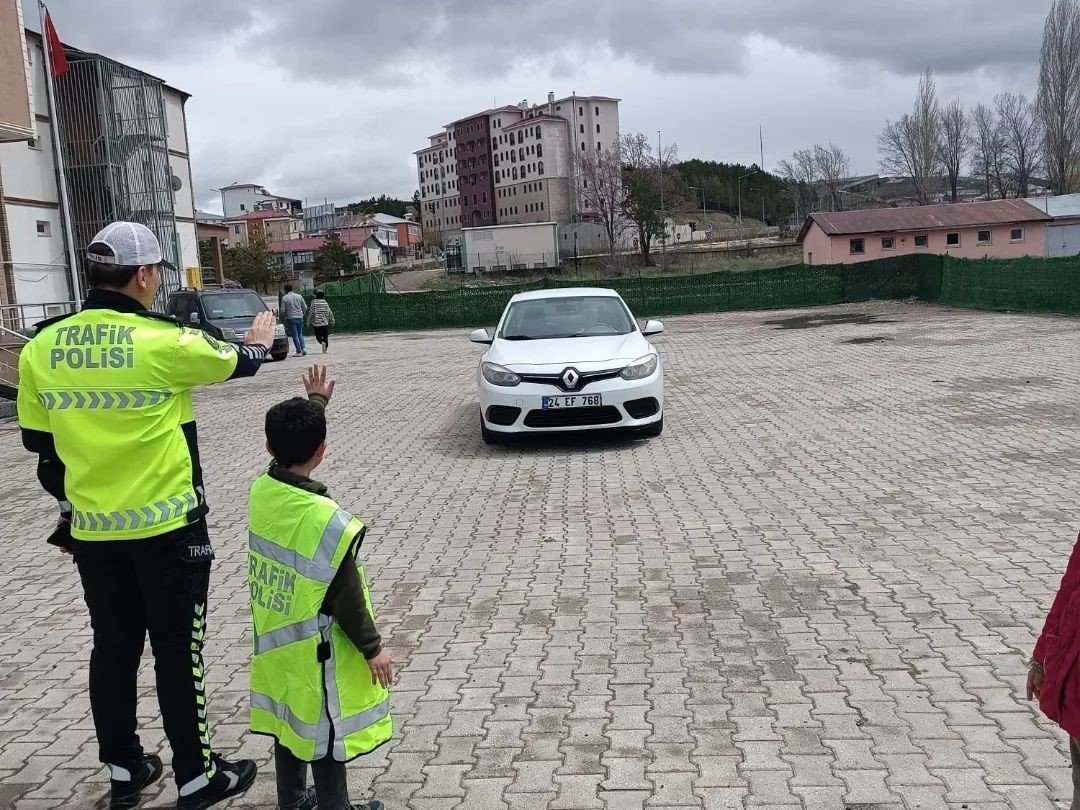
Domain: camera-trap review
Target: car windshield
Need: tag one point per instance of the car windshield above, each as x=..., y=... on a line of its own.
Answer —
x=222, y=306
x=552, y=318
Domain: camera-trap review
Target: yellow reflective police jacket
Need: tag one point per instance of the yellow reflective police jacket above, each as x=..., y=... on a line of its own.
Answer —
x=113, y=389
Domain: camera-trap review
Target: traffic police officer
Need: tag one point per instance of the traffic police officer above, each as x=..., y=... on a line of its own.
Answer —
x=105, y=402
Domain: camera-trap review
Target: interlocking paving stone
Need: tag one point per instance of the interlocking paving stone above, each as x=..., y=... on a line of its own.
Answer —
x=817, y=589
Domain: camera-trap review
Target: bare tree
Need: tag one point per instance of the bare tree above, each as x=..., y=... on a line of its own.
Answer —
x=642, y=197
x=911, y=147
x=833, y=165
x=987, y=152
x=802, y=178
x=955, y=136
x=1058, y=101
x=602, y=189
x=1021, y=137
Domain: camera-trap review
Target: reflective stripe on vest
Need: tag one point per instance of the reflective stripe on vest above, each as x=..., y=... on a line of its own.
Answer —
x=320, y=566
x=289, y=634
x=105, y=400
x=142, y=517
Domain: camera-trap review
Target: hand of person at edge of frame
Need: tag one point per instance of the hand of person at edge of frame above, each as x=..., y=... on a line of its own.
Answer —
x=315, y=382
x=382, y=669
x=1035, y=682
x=60, y=522
x=261, y=332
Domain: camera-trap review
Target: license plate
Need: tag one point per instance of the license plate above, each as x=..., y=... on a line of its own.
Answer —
x=575, y=401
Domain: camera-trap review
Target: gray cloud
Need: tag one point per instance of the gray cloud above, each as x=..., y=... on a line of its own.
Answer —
x=351, y=41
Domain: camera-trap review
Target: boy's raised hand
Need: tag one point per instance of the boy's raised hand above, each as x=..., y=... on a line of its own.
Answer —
x=382, y=669
x=315, y=382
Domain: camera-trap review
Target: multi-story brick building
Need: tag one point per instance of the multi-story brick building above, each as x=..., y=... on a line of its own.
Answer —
x=513, y=164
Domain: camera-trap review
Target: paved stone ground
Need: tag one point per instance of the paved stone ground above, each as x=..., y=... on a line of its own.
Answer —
x=817, y=589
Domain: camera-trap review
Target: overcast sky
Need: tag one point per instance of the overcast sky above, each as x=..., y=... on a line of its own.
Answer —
x=330, y=98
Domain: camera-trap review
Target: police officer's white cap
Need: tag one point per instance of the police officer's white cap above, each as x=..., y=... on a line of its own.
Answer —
x=131, y=245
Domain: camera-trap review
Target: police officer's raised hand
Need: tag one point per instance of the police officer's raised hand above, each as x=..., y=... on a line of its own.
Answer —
x=315, y=382
x=382, y=669
x=261, y=332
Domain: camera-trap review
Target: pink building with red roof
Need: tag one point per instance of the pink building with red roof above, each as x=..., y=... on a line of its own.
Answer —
x=994, y=229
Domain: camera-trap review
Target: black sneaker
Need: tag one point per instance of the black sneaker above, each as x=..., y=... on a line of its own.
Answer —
x=126, y=794
x=309, y=802
x=230, y=779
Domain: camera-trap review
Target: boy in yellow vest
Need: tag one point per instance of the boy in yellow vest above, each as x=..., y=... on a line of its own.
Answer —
x=319, y=675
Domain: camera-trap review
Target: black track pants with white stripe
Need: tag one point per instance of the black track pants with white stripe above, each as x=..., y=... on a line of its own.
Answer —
x=156, y=586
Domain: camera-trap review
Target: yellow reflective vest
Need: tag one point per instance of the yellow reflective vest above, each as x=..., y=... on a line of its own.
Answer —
x=114, y=390
x=311, y=688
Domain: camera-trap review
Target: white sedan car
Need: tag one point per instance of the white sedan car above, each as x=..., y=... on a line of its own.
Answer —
x=568, y=360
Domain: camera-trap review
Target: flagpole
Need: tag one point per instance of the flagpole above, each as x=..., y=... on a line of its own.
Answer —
x=61, y=178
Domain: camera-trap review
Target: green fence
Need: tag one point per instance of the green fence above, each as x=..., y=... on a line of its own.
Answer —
x=1036, y=285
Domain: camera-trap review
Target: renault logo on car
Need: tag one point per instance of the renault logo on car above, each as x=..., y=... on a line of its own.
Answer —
x=570, y=378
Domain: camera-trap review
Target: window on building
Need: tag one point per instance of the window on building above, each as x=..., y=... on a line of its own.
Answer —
x=598, y=146
x=242, y=207
x=858, y=246
x=34, y=143
x=585, y=181
x=952, y=240
x=44, y=228
x=521, y=136
x=514, y=173
x=580, y=110
x=541, y=205
x=984, y=237
x=475, y=199
x=888, y=243
x=236, y=229
x=521, y=155
x=539, y=133
x=1016, y=235
x=484, y=197
x=539, y=150
x=583, y=146
x=597, y=129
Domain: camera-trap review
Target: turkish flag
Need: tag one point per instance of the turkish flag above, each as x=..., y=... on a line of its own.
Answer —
x=57, y=60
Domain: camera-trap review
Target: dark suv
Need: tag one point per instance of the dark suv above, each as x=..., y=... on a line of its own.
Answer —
x=225, y=313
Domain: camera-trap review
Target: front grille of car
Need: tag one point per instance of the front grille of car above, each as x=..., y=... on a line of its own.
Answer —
x=573, y=417
x=642, y=408
x=555, y=380
x=504, y=415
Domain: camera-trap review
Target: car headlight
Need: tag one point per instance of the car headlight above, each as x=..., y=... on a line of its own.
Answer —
x=497, y=375
x=641, y=368
x=279, y=330
x=228, y=334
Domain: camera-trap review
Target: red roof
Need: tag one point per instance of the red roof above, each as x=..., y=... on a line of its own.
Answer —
x=350, y=237
x=925, y=217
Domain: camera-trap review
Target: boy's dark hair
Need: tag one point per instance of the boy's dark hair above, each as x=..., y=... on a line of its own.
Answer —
x=294, y=430
x=320, y=294
x=288, y=288
x=108, y=275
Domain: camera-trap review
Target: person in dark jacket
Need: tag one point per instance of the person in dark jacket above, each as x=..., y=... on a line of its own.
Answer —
x=1054, y=674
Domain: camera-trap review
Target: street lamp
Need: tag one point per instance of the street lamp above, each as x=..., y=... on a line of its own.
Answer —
x=748, y=174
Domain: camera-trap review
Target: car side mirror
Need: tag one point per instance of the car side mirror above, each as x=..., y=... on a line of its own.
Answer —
x=193, y=317
x=653, y=328
x=481, y=336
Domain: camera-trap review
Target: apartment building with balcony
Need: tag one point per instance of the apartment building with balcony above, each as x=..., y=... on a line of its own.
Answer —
x=513, y=164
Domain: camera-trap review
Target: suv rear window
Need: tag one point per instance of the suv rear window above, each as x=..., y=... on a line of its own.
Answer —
x=220, y=306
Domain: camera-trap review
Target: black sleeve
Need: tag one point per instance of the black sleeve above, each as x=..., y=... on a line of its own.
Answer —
x=50, y=469
x=249, y=360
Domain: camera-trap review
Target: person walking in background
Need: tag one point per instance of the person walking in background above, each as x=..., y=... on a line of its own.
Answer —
x=1054, y=673
x=321, y=318
x=293, y=307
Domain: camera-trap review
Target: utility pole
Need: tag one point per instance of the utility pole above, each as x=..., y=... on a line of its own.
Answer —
x=663, y=221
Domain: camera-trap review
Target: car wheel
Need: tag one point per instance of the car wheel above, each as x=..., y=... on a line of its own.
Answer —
x=277, y=358
x=489, y=436
x=653, y=430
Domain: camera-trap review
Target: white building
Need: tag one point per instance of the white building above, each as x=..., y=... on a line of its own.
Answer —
x=437, y=175
x=151, y=180
x=241, y=198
